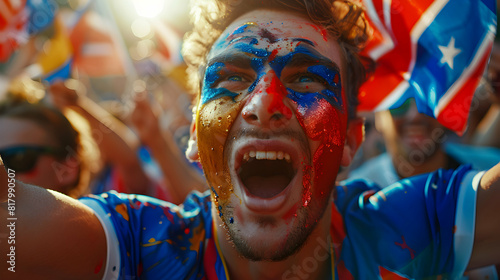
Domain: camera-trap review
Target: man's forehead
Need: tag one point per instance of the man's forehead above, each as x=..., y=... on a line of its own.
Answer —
x=252, y=29
x=269, y=32
x=277, y=31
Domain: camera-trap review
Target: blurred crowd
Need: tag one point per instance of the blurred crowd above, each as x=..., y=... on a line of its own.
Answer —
x=94, y=98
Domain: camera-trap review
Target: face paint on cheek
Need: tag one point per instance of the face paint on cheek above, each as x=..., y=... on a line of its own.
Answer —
x=325, y=124
x=214, y=120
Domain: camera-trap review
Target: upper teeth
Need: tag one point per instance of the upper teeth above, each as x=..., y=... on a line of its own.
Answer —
x=270, y=155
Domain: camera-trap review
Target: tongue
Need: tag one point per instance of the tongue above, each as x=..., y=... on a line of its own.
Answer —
x=266, y=186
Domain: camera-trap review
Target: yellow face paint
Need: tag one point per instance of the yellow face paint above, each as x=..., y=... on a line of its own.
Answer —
x=214, y=120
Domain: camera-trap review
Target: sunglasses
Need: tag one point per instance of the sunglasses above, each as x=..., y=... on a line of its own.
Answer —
x=24, y=158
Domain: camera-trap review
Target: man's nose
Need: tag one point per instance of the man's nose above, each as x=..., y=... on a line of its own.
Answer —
x=267, y=107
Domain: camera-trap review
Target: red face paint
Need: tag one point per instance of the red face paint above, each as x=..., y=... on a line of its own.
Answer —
x=320, y=30
x=327, y=125
x=278, y=92
x=273, y=54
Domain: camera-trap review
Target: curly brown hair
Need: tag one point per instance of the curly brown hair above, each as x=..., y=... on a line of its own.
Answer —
x=343, y=19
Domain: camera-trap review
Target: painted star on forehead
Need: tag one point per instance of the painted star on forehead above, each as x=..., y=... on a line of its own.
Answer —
x=449, y=52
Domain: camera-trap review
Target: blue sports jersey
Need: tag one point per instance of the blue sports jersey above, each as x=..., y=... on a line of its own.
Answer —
x=417, y=228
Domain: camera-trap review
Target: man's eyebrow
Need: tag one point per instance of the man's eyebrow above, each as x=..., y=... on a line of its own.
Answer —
x=309, y=42
x=238, y=59
x=302, y=59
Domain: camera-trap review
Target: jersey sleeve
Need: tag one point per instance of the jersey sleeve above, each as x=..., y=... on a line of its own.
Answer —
x=420, y=227
x=147, y=237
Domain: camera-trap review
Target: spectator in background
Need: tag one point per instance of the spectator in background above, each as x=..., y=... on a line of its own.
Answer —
x=270, y=217
x=116, y=142
x=43, y=147
x=417, y=144
x=488, y=130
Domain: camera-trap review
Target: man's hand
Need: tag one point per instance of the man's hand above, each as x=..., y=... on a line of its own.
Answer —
x=145, y=119
x=65, y=93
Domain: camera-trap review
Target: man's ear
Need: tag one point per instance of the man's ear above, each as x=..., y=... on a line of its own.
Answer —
x=192, y=150
x=354, y=137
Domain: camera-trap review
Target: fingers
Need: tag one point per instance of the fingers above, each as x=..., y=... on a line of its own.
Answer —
x=66, y=93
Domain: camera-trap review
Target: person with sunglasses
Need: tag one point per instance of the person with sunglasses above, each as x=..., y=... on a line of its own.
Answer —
x=41, y=145
x=275, y=119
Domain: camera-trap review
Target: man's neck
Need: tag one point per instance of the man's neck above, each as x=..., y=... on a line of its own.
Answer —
x=312, y=261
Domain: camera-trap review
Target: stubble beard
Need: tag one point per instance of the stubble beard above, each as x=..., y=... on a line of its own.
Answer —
x=307, y=220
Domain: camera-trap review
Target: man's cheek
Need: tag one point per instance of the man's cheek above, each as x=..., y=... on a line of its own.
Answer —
x=327, y=157
x=214, y=122
x=323, y=123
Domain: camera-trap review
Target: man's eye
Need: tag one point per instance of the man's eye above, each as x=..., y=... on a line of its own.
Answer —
x=306, y=82
x=305, y=79
x=234, y=82
x=235, y=78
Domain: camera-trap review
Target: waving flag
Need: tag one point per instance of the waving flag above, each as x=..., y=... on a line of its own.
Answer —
x=96, y=50
x=13, y=26
x=41, y=14
x=21, y=18
x=55, y=60
x=434, y=51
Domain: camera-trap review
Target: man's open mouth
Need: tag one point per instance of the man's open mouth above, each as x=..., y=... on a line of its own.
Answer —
x=266, y=174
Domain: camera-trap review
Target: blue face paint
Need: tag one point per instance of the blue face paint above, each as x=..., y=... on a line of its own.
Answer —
x=215, y=193
x=303, y=99
x=240, y=29
x=260, y=56
x=258, y=67
x=250, y=49
x=212, y=75
x=333, y=94
x=280, y=62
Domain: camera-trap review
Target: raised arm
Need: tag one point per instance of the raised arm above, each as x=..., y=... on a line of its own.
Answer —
x=47, y=235
x=486, y=248
x=116, y=141
x=180, y=178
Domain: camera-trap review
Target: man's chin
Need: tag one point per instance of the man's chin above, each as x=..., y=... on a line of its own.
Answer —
x=269, y=243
